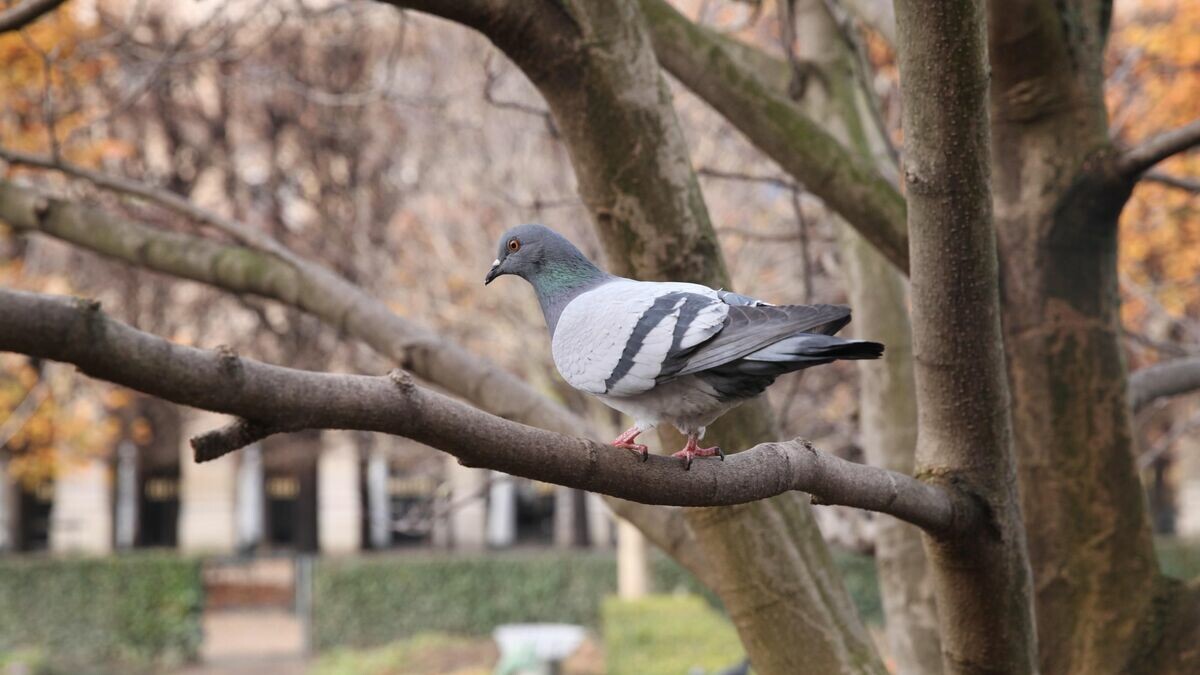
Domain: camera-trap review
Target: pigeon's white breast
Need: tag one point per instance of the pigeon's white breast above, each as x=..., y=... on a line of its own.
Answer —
x=595, y=329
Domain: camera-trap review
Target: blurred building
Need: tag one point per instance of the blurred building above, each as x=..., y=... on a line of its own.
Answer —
x=327, y=492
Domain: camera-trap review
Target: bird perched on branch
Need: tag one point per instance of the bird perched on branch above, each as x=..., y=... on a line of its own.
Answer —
x=675, y=353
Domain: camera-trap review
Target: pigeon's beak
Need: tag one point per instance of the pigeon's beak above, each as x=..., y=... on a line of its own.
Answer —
x=492, y=273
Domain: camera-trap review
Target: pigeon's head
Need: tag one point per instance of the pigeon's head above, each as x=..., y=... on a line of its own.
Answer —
x=530, y=251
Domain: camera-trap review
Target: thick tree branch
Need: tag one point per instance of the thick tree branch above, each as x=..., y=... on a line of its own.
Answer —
x=1155, y=149
x=310, y=288
x=25, y=13
x=272, y=398
x=850, y=184
x=1162, y=380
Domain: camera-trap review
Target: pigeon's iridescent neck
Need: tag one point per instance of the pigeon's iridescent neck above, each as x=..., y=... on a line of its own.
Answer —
x=560, y=282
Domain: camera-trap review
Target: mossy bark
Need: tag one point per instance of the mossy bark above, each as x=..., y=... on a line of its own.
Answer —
x=1056, y=213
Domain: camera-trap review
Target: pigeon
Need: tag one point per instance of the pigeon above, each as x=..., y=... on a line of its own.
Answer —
x=666, y=352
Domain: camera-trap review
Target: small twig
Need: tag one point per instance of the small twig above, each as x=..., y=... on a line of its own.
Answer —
x=242, y=232
x=1186, y=184
x=1155, y=149
x=1164, y=444
x=777, y=181
x=489, y=94
x=805, y=256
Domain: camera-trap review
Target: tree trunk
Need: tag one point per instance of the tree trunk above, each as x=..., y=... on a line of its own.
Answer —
x=878, y=294
x=1098, y=589
x=982, y=580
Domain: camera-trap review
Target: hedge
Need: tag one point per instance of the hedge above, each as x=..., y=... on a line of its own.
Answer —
x=75, y=613
x=369, y=601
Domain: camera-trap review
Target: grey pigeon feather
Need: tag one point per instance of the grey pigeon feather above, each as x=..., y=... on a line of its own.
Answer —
x=666, y=352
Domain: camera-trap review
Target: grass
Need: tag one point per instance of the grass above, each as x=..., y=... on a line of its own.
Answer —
x=667, y=635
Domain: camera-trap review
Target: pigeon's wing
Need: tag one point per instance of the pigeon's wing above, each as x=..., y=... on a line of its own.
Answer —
x=750, y=328
x=619, y=339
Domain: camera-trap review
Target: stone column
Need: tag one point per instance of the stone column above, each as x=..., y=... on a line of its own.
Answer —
x=468, y=504
x=502, y=511
x=251, y=502
x=339, y=499
x=81, y=519
x=127, y=496
x=207, y=521
x=633, y=565
x=600, y=522
x=379, y=500
x=1187, y=519
x=7, y=494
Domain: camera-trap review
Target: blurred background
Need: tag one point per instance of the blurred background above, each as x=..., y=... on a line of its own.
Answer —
x=394, y=148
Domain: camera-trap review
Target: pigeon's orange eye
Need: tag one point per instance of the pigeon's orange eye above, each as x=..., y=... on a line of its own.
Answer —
x=514, y=245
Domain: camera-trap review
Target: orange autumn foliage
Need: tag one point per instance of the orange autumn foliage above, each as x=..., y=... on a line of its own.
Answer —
x=1154, y=85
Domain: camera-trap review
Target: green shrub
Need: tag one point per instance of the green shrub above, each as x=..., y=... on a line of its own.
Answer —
x=81, y=612
x=667, y=635
x=362, y=602
x=1179, y=558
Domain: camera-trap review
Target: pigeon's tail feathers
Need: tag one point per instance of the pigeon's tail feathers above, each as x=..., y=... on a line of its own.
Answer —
x=750, y=375
x=815, y=347
x=751, y=328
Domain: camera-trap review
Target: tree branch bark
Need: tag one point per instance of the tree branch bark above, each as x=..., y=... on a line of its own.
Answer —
x=983, y=588
x=16, y=18
x=1162, y=380
x=1155, y=149
x=270, y=399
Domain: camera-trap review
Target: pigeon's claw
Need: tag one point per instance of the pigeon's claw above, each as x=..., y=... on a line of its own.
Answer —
x=626, y=440
x=692, y=451
x=635, y=448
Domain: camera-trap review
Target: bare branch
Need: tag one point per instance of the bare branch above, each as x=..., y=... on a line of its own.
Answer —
x=1162, y=380
x=1186, y=184
x=16, y=18
x=310, y=288
x=717, y=72
x=1155, y=149
x=246, y=234
x=273, y=398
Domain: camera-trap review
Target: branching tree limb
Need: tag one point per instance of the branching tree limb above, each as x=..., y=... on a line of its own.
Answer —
x=271, y=399
x=250, y=236
x=25, y=13
x=1162, y=380
x=719, y=74
x=311, y=288
x=1134, y=161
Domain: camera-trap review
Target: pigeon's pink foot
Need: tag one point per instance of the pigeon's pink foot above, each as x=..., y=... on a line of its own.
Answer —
x=625, y=440
x=692, y=451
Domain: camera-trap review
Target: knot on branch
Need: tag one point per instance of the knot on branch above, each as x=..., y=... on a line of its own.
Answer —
x=231, y=363
x=88, y=306
x=41, y=208
x=403, y=381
